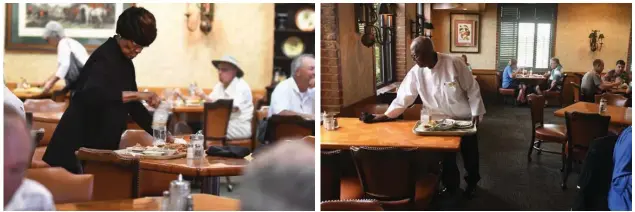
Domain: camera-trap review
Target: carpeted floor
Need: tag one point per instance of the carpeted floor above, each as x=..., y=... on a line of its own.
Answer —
x=508, y=181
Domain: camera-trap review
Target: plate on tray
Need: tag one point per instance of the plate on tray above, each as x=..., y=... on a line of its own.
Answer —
x=461, y=124
x=427, y=130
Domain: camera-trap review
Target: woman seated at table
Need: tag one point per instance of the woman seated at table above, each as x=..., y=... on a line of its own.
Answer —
x=555, y=77
x=509, y=83
x=232, y=86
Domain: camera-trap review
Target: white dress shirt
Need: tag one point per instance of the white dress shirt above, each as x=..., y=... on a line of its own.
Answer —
x=287, y=96
x=14, y=101
x=239, y=121
x=64, y=49
x=447, y=91
x=31, y=196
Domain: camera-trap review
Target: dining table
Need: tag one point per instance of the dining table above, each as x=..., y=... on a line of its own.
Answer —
x=619, y=115
x=352, y=132
x=530, y=79
x=209, y=168
x=201, y=202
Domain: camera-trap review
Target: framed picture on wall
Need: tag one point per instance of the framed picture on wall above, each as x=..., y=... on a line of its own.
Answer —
x=89, y=23
x=465, y=32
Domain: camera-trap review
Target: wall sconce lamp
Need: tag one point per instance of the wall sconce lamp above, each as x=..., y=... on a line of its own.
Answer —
x=596, y=40
x=206, y=17
x=369, y=17
x=419, y=25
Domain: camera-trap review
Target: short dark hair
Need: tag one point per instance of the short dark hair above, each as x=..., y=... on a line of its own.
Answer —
x=620, y=62
x=555, y=59
x=597, y=62
x=137, y=24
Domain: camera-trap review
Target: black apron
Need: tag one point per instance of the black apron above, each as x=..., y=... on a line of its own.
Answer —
x=96, y=116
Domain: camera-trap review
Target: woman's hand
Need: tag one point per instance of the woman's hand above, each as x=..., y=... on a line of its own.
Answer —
x=151, y=98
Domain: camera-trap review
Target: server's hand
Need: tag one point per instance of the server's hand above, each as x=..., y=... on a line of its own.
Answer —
x=151, y=98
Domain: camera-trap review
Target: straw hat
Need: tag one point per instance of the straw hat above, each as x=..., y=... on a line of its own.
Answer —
x=230, y=60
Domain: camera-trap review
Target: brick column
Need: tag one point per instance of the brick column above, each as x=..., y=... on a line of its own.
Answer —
x=400, y=44
x=330, y=71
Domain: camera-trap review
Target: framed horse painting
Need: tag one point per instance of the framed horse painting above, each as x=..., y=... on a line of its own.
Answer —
x=89, y=23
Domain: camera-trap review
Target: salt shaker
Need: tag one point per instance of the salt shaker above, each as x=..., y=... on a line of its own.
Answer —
x=165, y=201
x=189, y=203
x=603, y=104
x=179, y=190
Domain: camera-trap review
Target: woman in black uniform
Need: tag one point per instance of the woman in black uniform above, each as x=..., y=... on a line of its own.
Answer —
x=106, y=93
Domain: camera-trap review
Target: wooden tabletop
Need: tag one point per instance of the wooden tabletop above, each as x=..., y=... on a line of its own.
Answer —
x=202, y=202
x=619, y=115
x=207, y=167
x=188, y=109
x=353, y=132
x=31, y=95
x=50, y=117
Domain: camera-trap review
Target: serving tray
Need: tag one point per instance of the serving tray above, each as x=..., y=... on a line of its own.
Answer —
x=419, y=130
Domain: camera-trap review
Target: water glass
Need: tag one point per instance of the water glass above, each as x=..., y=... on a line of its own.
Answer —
x=197, y=141
x=159, y=135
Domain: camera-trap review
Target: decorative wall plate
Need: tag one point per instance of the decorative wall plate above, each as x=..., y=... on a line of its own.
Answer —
x=305, y=19
x=292, y=46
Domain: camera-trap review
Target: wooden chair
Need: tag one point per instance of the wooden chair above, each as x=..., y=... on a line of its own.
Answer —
x=389, y=175
x=43, y=105
x=281, y=127
x=612, y=99
x=215, y=123
x=558, y=94
x=576, y=92
x=504, y=92
x=131, y=138
x=351, y=205
x=65, y=187
x=116, y=177
x=330, y=174
x=542, y=132
x=582, y=128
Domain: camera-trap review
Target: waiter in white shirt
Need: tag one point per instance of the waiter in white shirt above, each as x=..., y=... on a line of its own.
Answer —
x=296, y=96
x=448, y=90
x=70, y=53
x=232, y=86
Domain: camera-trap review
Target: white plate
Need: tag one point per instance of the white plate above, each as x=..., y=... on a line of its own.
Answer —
x=462, y=124
x=153, y=153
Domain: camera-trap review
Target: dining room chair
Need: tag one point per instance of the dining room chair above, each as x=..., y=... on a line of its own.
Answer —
x=330, y=174
x=389, y=175
x=612, y=99
x=576, y=92
x=116, y=177
x=65, y=187
x=505, y=93
x=351, y=205
x=43, y=105
x=283, y=127
x=582, y=128
x=543, y=132
x=215, y=123
x=559, y=94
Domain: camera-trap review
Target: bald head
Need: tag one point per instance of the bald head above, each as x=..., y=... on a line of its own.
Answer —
x=422, y=52
x=17, y=151
x=280, y=178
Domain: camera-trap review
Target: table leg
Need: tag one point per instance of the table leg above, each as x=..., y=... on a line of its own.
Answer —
x=211, y=185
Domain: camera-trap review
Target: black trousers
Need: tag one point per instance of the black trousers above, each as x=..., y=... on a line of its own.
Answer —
x=451, y=175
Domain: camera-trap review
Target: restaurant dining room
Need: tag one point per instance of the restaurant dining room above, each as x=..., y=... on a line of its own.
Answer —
x=475, y=106
x=159, y=106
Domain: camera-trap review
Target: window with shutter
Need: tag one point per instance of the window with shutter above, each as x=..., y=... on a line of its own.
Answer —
x=526, y=33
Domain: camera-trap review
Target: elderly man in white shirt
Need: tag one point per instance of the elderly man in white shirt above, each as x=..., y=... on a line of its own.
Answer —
x=447, y=90
x=70, y=53
x=20, y=194
x=232, y=86
x=296, y=96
